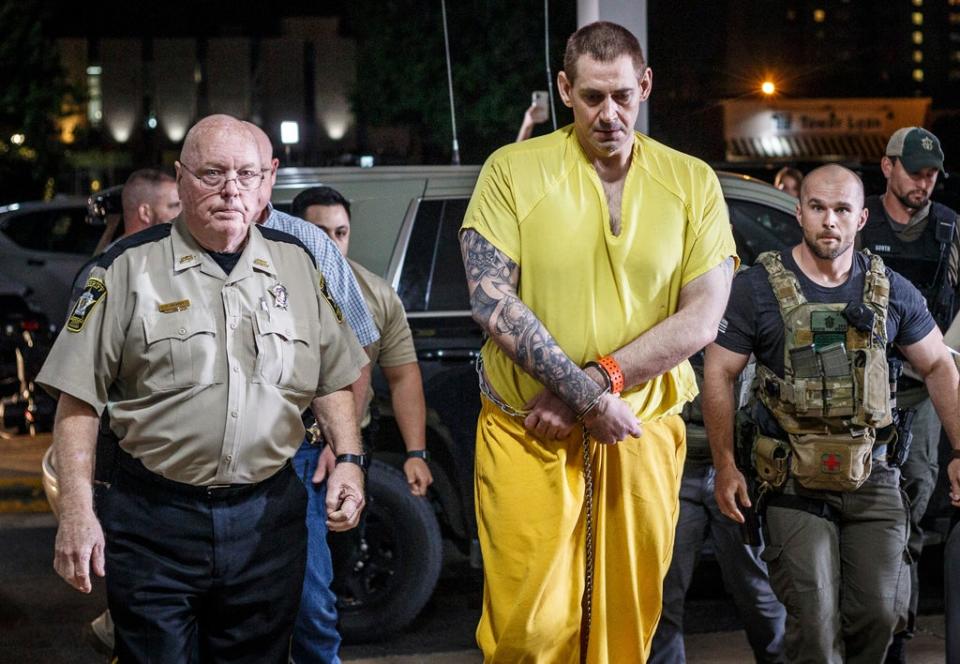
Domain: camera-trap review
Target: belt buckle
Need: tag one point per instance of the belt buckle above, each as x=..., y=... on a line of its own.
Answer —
x=314, y=436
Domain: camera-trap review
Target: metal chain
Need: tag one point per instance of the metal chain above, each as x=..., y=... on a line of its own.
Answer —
x=485, y=391
x=586, y=601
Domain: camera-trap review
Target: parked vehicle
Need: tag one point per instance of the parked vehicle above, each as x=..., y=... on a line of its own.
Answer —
x=405, y=223
x=42, y=245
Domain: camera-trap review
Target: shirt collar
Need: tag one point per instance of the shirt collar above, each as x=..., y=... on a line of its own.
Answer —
x=187, y=253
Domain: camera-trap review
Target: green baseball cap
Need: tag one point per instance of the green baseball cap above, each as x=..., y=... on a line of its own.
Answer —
x=917, y=148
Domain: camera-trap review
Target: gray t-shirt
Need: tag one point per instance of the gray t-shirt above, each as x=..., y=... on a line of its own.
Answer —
x=752, y=322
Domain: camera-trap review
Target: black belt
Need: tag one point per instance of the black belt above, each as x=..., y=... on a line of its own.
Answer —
x=789, y=501
x=136, y=469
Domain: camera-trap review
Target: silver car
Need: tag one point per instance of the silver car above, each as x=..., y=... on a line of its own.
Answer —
x=42, y=246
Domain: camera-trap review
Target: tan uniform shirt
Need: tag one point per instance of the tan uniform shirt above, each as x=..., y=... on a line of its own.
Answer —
x=395, y=345
x=204, y=376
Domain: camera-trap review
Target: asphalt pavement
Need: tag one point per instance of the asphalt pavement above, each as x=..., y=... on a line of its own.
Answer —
x=43, y=620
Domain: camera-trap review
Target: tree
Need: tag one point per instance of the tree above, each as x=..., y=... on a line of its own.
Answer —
x=497, y=51
x=32, y=97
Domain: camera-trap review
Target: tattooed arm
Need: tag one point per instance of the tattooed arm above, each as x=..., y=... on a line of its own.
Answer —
x=492, y=280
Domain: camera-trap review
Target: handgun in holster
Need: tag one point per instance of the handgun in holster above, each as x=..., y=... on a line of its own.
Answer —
x=903, y=420
x=745, y=431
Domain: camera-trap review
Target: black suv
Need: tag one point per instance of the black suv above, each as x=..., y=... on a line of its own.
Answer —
x=405, y=225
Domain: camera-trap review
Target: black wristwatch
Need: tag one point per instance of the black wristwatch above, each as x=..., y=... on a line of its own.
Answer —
x=418, y=454
x=361, y=460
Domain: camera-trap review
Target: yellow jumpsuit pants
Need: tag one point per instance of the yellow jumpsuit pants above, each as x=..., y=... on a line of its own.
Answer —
x=531, y=521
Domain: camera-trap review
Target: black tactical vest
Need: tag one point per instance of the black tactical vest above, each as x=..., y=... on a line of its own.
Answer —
x=923, y=262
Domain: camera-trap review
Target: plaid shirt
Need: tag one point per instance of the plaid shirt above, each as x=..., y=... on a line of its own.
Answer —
x=335, y=269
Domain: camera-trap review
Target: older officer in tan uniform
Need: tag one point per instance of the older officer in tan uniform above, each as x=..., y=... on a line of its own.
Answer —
x=200, y=341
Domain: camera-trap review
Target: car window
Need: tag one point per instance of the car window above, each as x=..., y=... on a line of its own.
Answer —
x=60, y=231
x=433, y=278
x=758, y=228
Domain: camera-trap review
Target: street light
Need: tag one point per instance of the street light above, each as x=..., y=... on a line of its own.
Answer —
x=289, y=135
x=768, y=87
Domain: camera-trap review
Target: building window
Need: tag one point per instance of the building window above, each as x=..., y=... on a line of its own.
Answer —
x=918, y=56
x=918, y=75
x=954, y=17
x=94, y=95
x=917, y=18
x=917, y=37
x=954, y=75
x=954, y=56
x=819, y=16
x=918, y=3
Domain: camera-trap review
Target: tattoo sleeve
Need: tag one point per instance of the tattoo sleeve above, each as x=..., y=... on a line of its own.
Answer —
x=492, y=280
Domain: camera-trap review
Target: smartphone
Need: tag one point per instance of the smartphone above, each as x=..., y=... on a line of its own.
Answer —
x=541, y=100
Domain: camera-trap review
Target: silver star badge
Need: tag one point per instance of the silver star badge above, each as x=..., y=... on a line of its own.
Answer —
x=279, y=292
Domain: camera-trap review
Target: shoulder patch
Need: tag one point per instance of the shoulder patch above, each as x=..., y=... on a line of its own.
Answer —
x=92, y=293
x=337, y=311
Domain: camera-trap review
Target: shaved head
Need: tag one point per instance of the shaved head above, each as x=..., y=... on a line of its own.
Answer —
x=836, y=174
x=265, y=147
x=831, y=213
x=218, y=217
x=263, y=142
x=207, y=131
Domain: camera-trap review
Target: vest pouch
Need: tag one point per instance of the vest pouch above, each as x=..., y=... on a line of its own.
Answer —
x=833, y=461
x=770, y=460
x=873, y=379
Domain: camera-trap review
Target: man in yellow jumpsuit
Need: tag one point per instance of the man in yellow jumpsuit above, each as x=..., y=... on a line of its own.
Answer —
x=593, y=243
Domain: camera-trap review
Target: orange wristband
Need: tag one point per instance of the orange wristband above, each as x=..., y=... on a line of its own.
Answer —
x=613, y=371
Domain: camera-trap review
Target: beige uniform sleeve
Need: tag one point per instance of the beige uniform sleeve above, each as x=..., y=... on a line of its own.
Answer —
x=396, y=339
x=341, y=355
x=86, y=355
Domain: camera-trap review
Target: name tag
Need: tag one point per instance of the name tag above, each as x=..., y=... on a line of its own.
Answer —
x=170, y=307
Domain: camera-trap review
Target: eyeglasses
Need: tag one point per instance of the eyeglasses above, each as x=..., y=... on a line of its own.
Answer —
x=215, y=179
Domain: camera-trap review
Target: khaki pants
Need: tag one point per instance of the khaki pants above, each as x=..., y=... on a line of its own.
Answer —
x=529, y=497
x=845, y=583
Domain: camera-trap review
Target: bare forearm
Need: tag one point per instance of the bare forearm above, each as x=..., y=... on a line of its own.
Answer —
x=492, y=279
x=941, y=383
x=718, y=401
x=676, y=338
x=409, y=408
x=336, y=415
x=360, y=389
x=75, y=444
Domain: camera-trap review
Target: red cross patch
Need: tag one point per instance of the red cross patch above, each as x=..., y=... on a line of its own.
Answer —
x=830, y=462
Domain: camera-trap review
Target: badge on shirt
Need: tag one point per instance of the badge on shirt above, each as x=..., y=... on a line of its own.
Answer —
x=259, y=262
x=337, y=311
x=279, y=292
x=171, y=307
x=92, y=293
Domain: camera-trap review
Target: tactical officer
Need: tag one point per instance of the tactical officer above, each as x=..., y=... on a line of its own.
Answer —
x=819, y=319
x=202, y=341
x=917, y=238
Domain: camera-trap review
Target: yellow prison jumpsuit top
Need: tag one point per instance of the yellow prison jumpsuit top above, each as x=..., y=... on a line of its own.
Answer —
x=204, y=375
x=541, y=203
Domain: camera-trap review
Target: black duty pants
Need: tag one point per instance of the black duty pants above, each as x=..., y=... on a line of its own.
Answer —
x=197, y=576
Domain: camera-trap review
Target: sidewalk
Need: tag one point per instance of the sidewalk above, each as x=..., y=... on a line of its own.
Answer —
x=927, y=647
x=21, y=489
